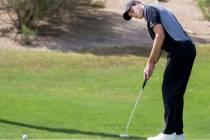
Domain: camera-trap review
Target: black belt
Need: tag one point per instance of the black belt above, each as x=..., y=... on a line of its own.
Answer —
x=183, y=43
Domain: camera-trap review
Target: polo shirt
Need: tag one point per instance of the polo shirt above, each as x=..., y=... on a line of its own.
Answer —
x=157, y=14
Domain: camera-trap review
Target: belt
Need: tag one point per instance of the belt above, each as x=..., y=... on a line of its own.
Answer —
x=183, y=43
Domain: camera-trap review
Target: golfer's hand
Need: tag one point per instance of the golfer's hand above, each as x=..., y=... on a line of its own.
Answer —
x=148, y=70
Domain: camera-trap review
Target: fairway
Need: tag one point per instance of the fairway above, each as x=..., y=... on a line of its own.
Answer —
x=55, y=95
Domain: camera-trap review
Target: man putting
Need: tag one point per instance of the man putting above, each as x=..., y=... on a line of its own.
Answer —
x=168, y=35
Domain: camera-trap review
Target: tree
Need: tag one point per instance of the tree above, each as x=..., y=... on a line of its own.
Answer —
x=205, y=7
x=28, y=12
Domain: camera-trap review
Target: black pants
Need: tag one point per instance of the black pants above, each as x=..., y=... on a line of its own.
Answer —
x=176, y=76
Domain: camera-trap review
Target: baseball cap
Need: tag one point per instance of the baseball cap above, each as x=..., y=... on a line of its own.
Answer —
x=128, y=5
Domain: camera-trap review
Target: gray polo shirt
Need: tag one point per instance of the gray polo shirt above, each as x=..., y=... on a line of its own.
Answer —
x=157, y=14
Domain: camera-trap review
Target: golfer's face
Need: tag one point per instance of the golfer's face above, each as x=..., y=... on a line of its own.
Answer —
x=135, y=11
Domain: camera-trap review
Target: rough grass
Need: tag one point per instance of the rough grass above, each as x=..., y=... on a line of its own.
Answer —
x=57, y=95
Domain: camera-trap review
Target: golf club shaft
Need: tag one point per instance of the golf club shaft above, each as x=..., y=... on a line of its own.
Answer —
x=134, y=108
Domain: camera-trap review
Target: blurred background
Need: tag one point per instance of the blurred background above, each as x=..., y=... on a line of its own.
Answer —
x=82, y=25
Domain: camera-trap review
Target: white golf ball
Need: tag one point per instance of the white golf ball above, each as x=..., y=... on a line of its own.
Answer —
x=24, y=137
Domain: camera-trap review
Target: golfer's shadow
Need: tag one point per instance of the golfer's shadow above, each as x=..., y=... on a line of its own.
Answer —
x=67, y=131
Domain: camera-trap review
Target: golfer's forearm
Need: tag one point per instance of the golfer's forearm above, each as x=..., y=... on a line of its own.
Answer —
x=156, y=49
x=159, y=55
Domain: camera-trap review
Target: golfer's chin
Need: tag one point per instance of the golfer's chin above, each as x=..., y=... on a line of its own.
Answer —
x=138, y=17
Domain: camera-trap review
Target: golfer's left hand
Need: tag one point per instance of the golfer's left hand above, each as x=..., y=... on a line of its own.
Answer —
x=148, y=70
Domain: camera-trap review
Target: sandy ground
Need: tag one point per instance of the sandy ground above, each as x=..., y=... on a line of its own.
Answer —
x=189, y=15
x=87, y=29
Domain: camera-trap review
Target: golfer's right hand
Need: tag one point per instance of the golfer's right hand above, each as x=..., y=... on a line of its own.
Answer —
x=148, y=70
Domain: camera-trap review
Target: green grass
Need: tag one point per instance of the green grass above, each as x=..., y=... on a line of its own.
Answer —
x=58, y=95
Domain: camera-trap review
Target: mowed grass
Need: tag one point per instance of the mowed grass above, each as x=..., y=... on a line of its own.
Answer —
x=54, y=95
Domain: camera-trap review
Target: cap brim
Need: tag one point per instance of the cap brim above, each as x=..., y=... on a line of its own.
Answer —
x=126, y=16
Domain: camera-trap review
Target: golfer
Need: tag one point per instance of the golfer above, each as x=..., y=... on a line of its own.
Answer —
x=167, y=35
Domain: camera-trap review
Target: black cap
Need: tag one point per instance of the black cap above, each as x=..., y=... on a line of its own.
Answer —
x=128, y=5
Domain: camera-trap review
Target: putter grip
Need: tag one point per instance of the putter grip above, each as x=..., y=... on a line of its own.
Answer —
x=144, y=83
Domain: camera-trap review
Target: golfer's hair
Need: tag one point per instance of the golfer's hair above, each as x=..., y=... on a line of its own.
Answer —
x=137, y=2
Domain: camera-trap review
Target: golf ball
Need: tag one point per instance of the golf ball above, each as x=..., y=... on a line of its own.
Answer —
x=24, y=137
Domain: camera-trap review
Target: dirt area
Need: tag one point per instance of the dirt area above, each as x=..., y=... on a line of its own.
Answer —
x=81, y=28
x=186, y=11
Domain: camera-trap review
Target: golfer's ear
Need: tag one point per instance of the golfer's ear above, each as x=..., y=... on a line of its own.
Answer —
x=158, y=30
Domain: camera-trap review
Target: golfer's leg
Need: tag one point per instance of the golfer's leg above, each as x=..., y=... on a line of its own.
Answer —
x=179, y=115
x=180, y=102
x=169, y=87
x=164, y=84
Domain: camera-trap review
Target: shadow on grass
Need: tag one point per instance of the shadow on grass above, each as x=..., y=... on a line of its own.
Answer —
x=136, y=51
x=67, y=131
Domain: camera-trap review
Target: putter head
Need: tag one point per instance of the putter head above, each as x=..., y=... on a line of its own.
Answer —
x=124, y=135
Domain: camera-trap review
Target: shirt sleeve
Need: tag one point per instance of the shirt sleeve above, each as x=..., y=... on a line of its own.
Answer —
x=153, y=16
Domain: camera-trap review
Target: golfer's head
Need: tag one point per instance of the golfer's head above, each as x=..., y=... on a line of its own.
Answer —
x=133, y=9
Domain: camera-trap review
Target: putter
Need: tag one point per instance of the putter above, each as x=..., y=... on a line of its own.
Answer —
x=125, y=135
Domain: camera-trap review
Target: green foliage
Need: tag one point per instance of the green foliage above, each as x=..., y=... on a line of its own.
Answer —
x=28, y=34
x=30, y=11
x=47, y=6
x=205, y=7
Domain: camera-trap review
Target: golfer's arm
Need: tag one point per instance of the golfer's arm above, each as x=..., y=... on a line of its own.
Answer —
x=157, y=44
